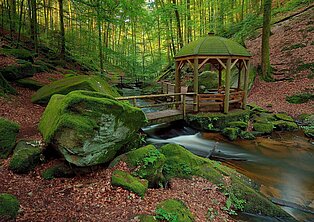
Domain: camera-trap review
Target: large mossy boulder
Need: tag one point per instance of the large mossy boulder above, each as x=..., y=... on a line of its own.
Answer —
x=58, y=171
x=9, y=207
x=182, y=163
x=89, y=128
x=19, y=54
x=127, y=181
x=217, y=121
x=5, y=87
x=18, y=71
x=173, y=210
x=8, y=133
x=285, y=125
x=66, y=85
x=25, y=157
x=146, y=162
x=263, y=127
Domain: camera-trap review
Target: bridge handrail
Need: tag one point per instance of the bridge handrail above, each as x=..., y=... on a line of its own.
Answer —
x=153, y=96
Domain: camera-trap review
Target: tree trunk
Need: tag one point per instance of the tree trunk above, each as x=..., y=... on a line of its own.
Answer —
x=266, y=71
x=62, y=33
x=180, y=40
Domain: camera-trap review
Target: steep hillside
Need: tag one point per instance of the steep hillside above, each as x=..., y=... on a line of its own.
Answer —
x=292, y=60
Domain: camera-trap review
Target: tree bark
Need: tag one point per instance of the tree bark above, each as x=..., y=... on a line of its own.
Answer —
x=62, y=33
x=180, y=39
x=266, y=70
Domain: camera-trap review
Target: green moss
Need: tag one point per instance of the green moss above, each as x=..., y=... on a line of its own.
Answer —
x=238, y=124
x=284, y=116
x=128, y=182
x=216, y=121
x=15, y=72
x=89, y=127
x=149, y=164
x=256, y=109
x=230, y=133
x=295, y=46
x=305, y=67
x=5, y=87
x=173, y=210
x=8, y=132
x=265, y=128
x=309, y=132
x=9, y=207
x=247, y=135
x=25, y=157
x=66, y=85
x=300, y=98
x=29, y=83
x=58, y=171
x=285, y=125
x=19, y=54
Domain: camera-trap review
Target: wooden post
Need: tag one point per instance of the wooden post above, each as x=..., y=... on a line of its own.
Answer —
x=227, y=86
x=184, y=105
x=195, y=83
x=177, y=88
x=239, y=76
x=220, y=76
x=246, y=82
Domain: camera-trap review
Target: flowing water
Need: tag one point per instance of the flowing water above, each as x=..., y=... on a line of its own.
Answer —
x=283, y=164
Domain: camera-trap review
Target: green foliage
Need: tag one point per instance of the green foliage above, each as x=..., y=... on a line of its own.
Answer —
x=231, y=133
x=238, y=124
x=300, y=98
x=9, y=207
x=17, y=71
x=127, y=181
x=8, y=133
x=19, y=54
x=295, y=46
x=173, y=210
x=305, y=66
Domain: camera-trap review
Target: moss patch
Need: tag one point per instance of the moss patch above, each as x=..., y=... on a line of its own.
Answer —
x=283, y=116
x=66, y=85
x=285, y=125
x=300, y=98
x=128, y=182
x=265, y=128
x=58, y=171
x=246, y=135
x=216, y=121
x=230, y=133
x=9, y=206
x=173, y=210
x=19, y=71
x=25, y=157
x=19, y=54
x=5, y=87
x=89, y=128
x=29, y=83
x=8, y=132
x=238, y=124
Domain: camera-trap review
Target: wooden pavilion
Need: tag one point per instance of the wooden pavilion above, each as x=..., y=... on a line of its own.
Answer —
x=224, y=55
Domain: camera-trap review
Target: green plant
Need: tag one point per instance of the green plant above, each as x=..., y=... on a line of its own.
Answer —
x=300, y=98
x=233, y=203
x=291, y=47
x=162, y=214
x=211, y=214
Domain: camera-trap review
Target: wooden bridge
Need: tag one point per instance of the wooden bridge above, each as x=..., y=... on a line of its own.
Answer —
x=163, y=108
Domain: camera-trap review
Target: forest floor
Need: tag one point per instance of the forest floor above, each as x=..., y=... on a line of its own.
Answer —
x=92, y=198
x=292, y=59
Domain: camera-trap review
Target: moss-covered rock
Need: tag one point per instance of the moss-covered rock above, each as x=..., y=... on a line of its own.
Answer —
x=247, y=135
x=8, y=132
x=284, y=116
x=256, y=109
x=9, y=207
x=127, y=181
x=89, y=128
x=230, y=133
x=300, y=98
x=25, y=157
x=265, y=128
x=29, y=83
x=173, y=210
x=217, y=121
x=66, y=85
x=5, y=87
x=58, y=171
x=147, y=163
x=309, y=132
x=238, y=124
x=19, y=54
x=19, y=71
x=285, y=125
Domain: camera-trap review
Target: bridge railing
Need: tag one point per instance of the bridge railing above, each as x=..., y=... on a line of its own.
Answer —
x=174, y=100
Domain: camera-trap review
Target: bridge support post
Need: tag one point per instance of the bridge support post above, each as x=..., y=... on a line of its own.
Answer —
x=177, y=88
x=227, y=86
x=195, y=84
x=246, y=81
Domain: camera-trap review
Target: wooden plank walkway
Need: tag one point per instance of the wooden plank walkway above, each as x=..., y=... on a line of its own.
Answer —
x=164, y=116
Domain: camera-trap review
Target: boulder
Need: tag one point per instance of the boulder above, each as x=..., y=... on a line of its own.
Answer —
x=285, y=117
x=8, y=132
x=29, y=83
x=147, y=163
x=89, y=128
x=5, y=87
x=238, y=124
x=247, y=135
x=18, y=71
x=25, y=157
x=127, y=181
x=9, y=207
x=66, y=85
x=263, y=127
x=285, y=125
x=58, y=171
x=230, y=133
x=173, y=210
x=19, y=54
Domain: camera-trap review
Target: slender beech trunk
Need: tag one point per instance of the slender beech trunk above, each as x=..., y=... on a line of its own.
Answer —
x=266, y=70
x=62, y=33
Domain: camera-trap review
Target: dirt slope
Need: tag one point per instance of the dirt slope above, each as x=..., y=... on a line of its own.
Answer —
x=292, y=58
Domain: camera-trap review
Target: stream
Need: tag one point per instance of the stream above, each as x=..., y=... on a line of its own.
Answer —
x=283, y=165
